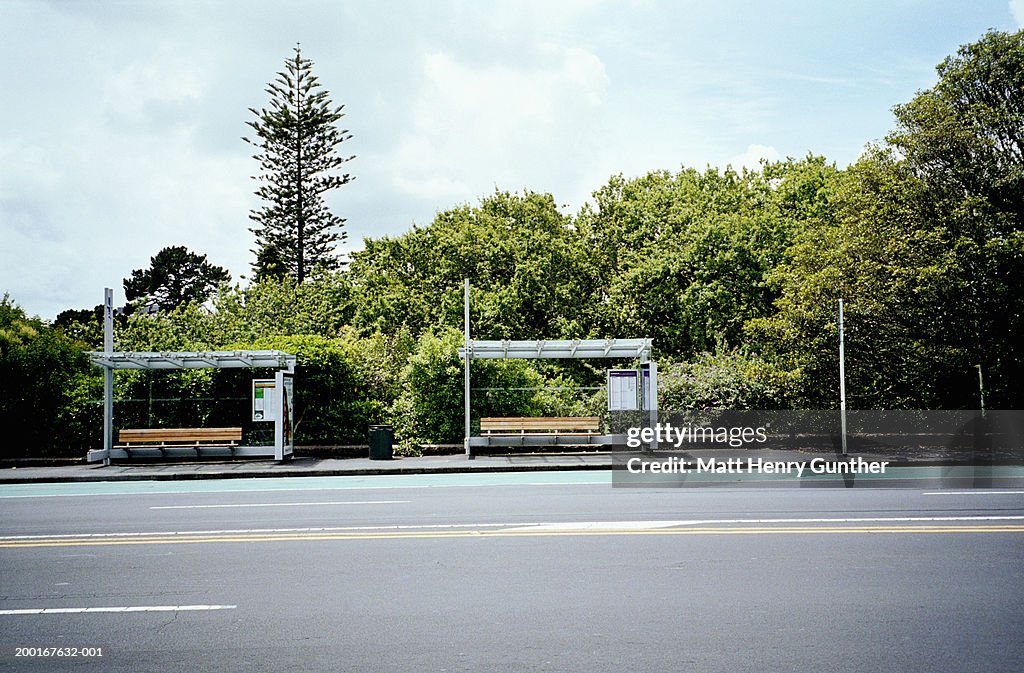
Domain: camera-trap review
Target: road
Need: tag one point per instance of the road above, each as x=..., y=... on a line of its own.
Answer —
x=508, y=572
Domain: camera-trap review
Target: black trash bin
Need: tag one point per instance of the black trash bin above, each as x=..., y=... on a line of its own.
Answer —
x=382, y=437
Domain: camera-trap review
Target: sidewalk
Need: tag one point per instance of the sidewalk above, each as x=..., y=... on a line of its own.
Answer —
x=305, y=467
x=434, y=464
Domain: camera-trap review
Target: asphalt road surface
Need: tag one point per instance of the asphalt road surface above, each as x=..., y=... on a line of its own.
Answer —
x=507, y=572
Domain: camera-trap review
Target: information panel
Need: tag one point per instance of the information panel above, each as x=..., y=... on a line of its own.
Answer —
x=264, y=400
x=623, y=390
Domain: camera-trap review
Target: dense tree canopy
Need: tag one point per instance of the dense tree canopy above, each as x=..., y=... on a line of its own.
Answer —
x=683, y=258
x=45, y=391
x=530, y=277
x=964, y=138
x=965, y=135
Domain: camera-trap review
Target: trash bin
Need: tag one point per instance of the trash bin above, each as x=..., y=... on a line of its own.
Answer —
x=382, y=437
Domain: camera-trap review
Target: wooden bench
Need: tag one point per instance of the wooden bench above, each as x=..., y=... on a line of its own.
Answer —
x=178, y=438
x=564, y=425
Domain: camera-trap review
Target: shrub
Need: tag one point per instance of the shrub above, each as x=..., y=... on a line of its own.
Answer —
x=728, y=380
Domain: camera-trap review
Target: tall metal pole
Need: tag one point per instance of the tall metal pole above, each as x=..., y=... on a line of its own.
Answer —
x=842, y=376
x=468, y=347
x=108, y=374
x=981, y=390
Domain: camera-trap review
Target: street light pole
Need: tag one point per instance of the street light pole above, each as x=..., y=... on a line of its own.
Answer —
x=108, y=374
x=842, y=377
x=469, y=348
x=981, y=390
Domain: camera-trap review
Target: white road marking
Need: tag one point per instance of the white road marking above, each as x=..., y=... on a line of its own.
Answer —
x=260, y=531
x=132, y=608
x=522, y=526
x=602, y=525
x=285, y=504
x=979, y=492
x=648, y=525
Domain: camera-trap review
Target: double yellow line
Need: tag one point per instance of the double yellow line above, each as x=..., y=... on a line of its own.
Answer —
x=199, y=538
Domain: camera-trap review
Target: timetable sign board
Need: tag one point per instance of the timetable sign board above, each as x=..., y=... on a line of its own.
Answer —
x=623, y=390
x=264, y=400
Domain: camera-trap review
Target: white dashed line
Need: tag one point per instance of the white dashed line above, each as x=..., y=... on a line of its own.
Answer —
x=132, y=608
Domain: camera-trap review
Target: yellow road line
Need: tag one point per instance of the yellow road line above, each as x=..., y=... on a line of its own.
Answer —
x=568, y=532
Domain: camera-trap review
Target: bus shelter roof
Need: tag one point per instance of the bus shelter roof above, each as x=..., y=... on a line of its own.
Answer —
x=563, y=348
x=270, y=359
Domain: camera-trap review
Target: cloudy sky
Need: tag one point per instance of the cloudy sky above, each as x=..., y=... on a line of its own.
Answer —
x=120, y=130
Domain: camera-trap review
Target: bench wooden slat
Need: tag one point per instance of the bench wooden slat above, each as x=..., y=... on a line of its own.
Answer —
x=558, y=425
x=180, y=434
x=171, y=437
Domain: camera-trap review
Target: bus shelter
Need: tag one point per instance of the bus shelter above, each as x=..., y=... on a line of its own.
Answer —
x=272, y=399
x=628, y=389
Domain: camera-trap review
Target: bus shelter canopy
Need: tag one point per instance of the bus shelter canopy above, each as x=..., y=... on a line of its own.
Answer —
x=559, y=349
x=270, y=359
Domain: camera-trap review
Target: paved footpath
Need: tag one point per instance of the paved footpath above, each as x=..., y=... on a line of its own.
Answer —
x=456, y=463
x=303, y=467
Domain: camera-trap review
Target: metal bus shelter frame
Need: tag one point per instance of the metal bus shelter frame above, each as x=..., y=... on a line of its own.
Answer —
x=553, y=349
x=262, y=359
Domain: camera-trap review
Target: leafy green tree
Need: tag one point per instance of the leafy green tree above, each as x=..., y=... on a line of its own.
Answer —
x=297, y=143
x=529, y=274
x=269, y=263
x=891, y=261
x=430, y=408
x=684, y=257
x=965, y=139
x=694, y=293
x=965, y=135
x=44, y=382
x=927, y=249
x=85, y=325
x=175, y=276
x=272, y=307
x=278, y=306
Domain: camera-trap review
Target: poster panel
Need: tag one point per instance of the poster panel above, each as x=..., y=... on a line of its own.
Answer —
x=284, y=436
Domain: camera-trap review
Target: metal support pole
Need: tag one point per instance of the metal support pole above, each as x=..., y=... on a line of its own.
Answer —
x=652, y=401
x=842, y=377
x=108, y=374
x=981, y=391
x=469, y=351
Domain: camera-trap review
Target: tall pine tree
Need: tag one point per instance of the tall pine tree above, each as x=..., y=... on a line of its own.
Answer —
x=298, y=138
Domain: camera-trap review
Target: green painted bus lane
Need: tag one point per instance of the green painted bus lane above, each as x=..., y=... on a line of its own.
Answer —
x=354, y=482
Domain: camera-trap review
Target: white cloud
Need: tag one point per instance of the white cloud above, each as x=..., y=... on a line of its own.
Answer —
x=476, y=125
x=753, y=156
x=1017, y=9
x=102, y=201
x=160, y=80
